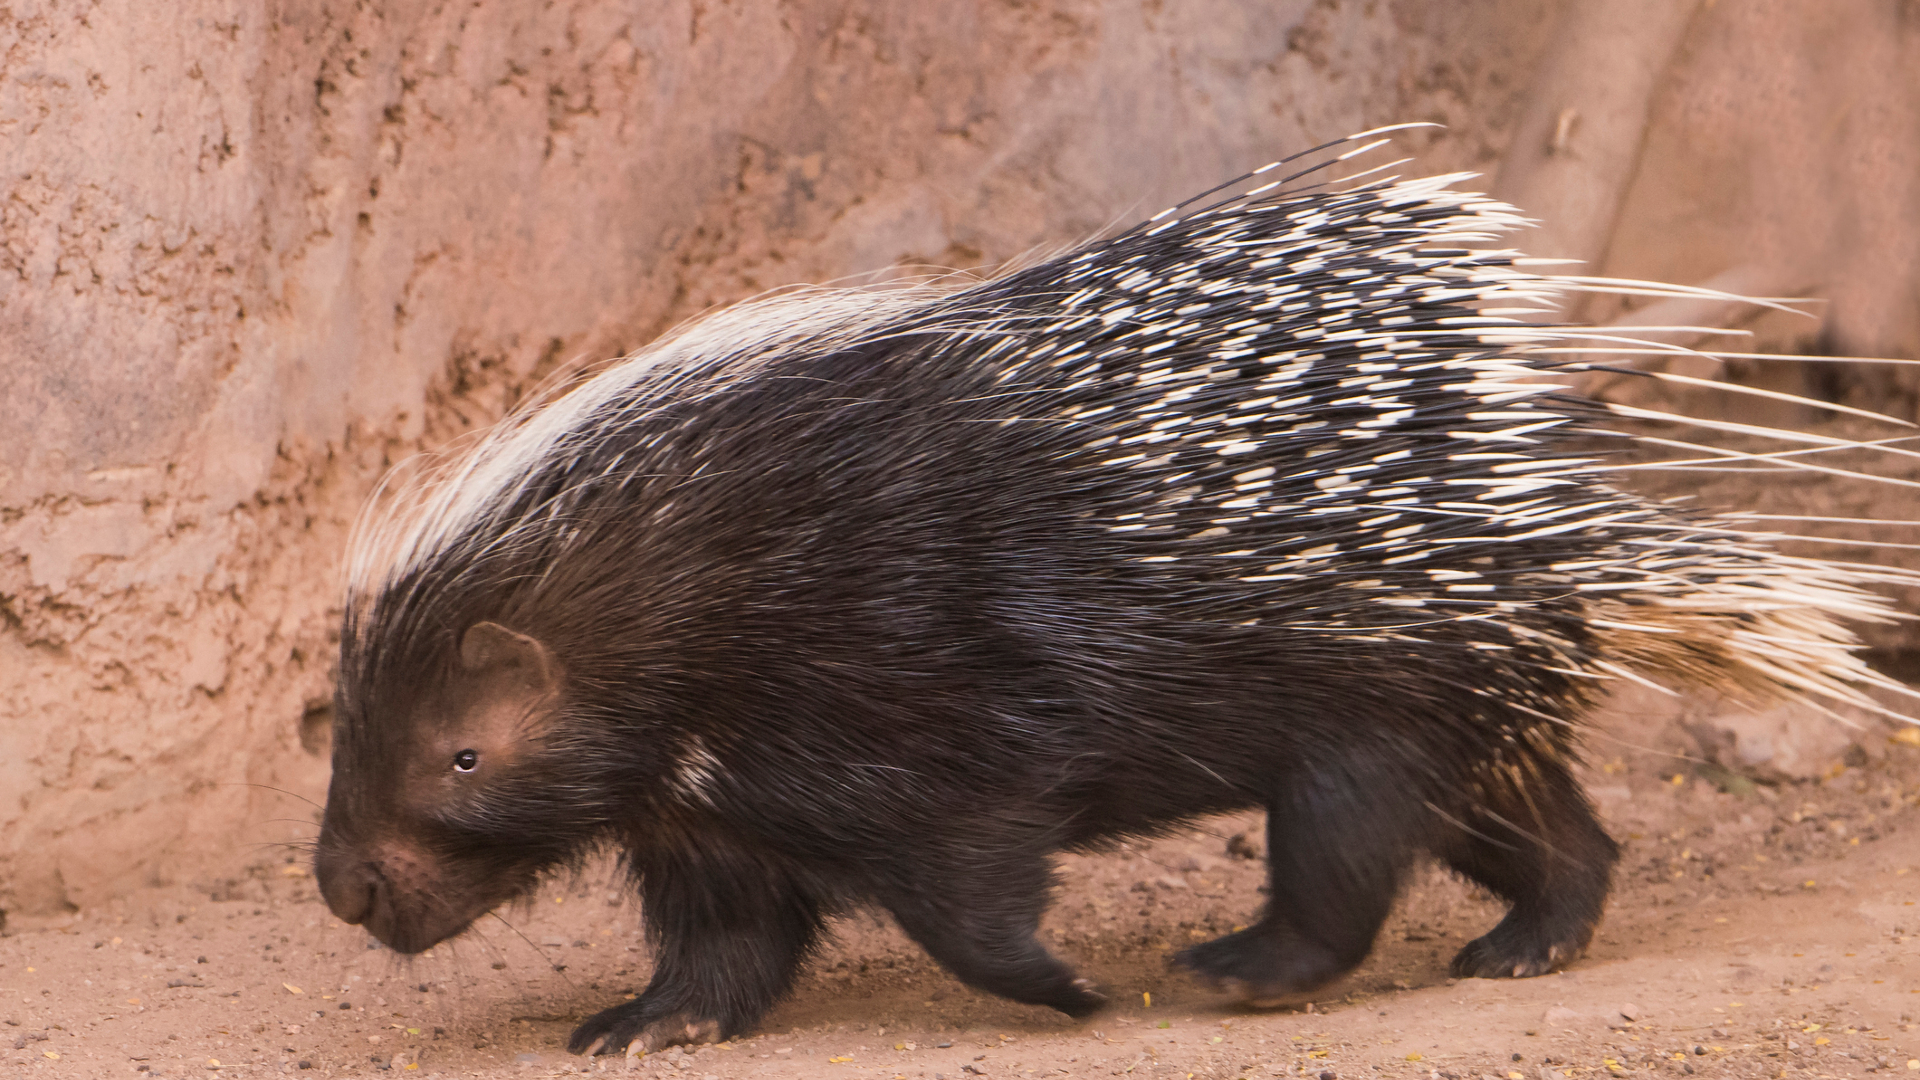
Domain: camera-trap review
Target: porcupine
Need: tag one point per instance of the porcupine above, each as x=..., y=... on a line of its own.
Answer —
x=884, y=597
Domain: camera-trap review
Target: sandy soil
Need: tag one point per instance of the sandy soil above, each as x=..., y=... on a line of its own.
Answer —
x=1755, y=932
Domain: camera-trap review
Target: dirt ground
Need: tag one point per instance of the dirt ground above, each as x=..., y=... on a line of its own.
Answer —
x=1756, y=931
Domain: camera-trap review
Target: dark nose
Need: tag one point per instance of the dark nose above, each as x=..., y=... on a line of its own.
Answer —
x=351, y=885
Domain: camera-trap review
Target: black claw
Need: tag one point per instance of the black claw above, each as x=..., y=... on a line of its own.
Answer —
x=602, y=1033
x=1086, y=1001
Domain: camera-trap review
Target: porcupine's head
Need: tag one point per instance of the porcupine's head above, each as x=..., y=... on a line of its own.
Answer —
x=451, y=787
x=435, y=808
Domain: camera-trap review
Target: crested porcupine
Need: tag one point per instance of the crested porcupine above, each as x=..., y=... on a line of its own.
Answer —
x=884, y=597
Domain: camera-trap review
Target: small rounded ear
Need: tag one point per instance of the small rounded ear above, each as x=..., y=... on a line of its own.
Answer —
x=489, y=648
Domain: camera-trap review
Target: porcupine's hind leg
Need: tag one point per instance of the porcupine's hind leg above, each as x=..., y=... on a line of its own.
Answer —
x=1533, y=840
x=976, y=914
x=1339, y=841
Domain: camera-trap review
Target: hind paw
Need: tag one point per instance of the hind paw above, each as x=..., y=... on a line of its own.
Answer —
x=1486, y=958
x=1086, y=1001
x=1262, y=968
x=632, y=1029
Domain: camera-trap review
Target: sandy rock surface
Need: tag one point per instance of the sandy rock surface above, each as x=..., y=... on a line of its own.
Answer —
x=252, y=255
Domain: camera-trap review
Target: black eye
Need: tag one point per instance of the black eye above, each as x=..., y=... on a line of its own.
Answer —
x=466, y=760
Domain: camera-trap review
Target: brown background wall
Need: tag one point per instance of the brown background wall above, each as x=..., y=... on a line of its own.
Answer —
x=250, y=253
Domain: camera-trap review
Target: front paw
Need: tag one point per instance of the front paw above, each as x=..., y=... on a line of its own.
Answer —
x=637, y=1027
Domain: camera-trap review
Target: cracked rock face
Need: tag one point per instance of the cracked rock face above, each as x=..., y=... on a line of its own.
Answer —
x=248, y=272
x=251, y=258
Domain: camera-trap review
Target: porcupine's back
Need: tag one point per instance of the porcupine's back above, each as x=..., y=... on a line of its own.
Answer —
x=1288, y=444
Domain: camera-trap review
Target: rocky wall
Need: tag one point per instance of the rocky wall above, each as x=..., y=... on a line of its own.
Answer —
x=251, y=253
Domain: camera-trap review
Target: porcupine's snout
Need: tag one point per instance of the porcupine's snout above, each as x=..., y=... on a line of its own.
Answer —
x=351, y=886
x=393, y=891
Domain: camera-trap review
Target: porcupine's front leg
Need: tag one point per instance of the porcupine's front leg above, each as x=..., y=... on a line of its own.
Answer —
x=729, y=930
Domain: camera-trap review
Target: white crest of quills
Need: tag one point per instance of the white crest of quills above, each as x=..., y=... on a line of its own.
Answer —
x=883, y=597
